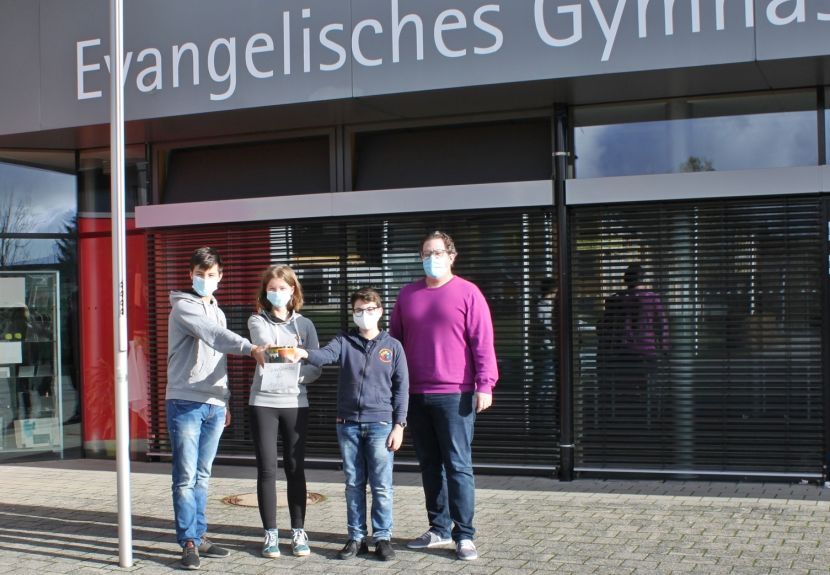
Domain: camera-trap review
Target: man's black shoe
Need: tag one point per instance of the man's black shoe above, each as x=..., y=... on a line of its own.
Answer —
x=353, y=548
x=384, y=551
x=190, y=557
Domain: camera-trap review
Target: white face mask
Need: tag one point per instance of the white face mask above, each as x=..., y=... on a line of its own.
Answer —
x=280, y=298
x=205, y=286
x=436, y=267
x=367, y=321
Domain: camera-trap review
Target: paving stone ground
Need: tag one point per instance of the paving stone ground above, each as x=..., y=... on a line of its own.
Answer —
x=61, y=517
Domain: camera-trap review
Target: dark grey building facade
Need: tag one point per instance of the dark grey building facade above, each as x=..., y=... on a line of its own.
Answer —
x=561, y=142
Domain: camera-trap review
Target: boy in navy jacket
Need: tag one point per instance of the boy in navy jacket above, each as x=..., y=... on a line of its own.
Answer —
x=372, y=401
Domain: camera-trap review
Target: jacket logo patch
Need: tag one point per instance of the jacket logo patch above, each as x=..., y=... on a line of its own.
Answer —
x=385, y=355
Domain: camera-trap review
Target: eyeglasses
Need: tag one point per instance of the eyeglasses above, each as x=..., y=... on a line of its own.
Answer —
x=436, y=253
x=370, y=310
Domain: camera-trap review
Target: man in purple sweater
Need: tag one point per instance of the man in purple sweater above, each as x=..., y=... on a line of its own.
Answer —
x=444, y=324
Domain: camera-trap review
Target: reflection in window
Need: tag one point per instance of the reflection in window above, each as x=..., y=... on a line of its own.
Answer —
x=33, y=200
x=94, y=180
x=696, y=135
x=27, y=251
x=827, y=126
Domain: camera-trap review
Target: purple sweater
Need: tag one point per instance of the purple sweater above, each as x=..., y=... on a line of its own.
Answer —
x=447, y=334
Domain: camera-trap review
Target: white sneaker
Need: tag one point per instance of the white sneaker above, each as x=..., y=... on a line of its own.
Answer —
x=428, y=539
x=299, y=543
x=466, y=550
x=271, y=544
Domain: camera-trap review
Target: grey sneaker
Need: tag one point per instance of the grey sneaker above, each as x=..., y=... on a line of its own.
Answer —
x=428, y=539
x=190, y=557
x=208, y=549
x=466, y=550
x=299, y=543
x=271, y=544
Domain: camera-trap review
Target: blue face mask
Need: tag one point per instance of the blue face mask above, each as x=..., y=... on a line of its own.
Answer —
x=205, y=286
x=279, y=298
x=436, y=267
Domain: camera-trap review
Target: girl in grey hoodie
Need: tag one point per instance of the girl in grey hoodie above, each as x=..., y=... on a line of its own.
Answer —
x=282, y=407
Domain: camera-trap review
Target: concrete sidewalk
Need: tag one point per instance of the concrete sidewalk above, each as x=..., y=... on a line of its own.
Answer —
x=61, y=517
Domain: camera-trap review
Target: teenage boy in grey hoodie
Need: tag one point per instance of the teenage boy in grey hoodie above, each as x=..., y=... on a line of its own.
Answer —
x=196, y=398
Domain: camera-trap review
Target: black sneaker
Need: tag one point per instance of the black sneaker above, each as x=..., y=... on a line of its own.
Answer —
x=353, y=548
x=190, y=557
x=209, y=549
x=384, y=551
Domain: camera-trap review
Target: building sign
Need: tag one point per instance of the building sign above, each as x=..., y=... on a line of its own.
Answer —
x=193, y=56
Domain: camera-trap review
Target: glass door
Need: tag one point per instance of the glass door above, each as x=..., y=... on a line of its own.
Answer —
x=31, y=418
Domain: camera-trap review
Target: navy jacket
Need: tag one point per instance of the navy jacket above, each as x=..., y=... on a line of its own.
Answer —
x=373, y=384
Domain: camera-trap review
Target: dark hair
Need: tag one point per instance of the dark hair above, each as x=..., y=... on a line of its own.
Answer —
x=205, y=258
x=634, y=275
x=285, y=273
x=546, y=285
x=367, y=294
x=438, y=235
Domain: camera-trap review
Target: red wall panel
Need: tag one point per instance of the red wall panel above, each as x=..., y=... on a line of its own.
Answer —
x=97, y=339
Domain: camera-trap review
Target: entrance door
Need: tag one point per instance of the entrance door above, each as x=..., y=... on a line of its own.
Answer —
x=31, y=406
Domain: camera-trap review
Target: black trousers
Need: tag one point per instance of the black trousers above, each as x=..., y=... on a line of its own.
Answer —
x=291, y=424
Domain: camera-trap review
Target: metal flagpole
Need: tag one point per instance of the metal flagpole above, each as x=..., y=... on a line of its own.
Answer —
x=119, y=282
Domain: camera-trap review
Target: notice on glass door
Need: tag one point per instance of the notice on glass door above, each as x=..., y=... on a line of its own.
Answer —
x=11, y=352
x=12, y=292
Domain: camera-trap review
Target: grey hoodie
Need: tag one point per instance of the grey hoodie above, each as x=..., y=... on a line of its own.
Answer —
x=197, y=341
x=297, y=330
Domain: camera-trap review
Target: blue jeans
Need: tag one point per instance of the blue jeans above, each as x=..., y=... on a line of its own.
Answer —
x=195, y=429
x=442, y=430
x=364, y=451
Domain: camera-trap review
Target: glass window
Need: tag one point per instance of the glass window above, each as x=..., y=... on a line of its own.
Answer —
x=827, y=125
x=249, y=170
x=94, y=180
x=38, y=378
x=690, y=135
x=35, y=200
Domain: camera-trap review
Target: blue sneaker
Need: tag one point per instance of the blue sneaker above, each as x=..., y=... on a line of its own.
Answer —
x=428, y=540
x=271, y=546
x=299, y=543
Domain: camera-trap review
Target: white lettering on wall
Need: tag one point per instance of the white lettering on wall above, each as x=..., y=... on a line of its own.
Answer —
x=397, y=26
x=230, y=74
x=333, y=46
x=496, y=33
x=401, y=36
x=286, y=43
x=306, y=43
x=668, y=17
x=441, y=26
x=257, y=44
x=356, y=50
x=82, y=68
x=178, y=51
x=608, y=30
x=542, y=29
x=155, y=70
x=798, y=14
x=128, y=59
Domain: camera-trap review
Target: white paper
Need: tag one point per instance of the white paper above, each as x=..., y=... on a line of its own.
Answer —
x=26, y=371
x=12, y=292
x=280, y=378
x=11, y=352
x=5, y=372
